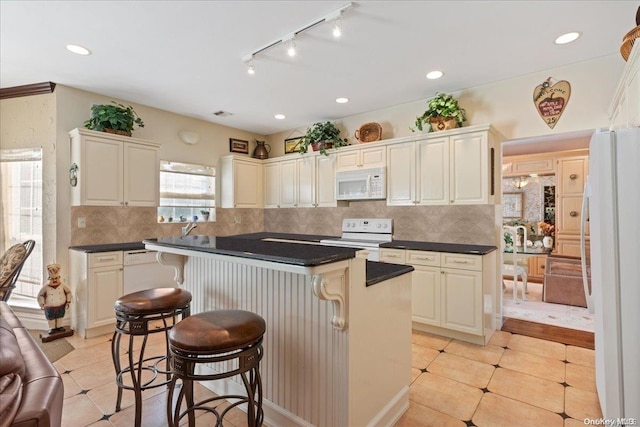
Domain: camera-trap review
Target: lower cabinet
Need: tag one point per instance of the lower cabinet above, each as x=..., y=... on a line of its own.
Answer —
x=96, y=282
x=448, y=292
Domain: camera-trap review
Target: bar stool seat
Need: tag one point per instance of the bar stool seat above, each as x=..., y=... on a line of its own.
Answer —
x=233, y=337
x=138, y=315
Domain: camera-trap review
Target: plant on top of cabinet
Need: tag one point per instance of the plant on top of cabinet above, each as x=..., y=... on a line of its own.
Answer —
x=114, y=118
x=443, y=112
x=321, y=136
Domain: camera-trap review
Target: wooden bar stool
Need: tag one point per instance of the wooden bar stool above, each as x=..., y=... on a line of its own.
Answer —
x=134, y=314
x=230, y=339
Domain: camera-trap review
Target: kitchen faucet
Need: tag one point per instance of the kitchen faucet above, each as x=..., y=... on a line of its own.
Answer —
x=188, y=228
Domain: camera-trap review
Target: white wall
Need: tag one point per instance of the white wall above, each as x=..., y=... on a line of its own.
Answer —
x=507, y=105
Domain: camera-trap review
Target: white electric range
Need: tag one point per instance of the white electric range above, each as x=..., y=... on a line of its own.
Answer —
x=364, y=233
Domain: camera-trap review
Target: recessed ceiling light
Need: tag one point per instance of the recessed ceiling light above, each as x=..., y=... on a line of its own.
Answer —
x=432, y=75
x=78, y=49
x=342, y=100
x=567, y=38
x=280, y=116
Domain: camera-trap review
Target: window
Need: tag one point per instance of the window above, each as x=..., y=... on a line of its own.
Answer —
x=187, y=192
x=21, y=194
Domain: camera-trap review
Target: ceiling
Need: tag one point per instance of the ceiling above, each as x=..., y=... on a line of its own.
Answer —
x=186, y=57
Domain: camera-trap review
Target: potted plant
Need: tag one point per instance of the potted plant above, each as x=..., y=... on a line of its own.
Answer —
x=321, y=136
x=114, y=118
x=443, y=112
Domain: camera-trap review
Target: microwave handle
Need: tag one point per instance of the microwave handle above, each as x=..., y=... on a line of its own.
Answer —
x=369, y=185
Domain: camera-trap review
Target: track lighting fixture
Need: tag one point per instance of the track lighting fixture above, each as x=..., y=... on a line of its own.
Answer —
x=335, y=17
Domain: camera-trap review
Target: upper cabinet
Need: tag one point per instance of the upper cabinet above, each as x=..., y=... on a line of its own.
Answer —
x=624, y=111
x=240, y=182
x=451, y=167
x=114, y=170
x=372, y=157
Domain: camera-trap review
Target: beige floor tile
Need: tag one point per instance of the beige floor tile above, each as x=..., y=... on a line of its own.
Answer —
x=104, y=397
x=101, y=423
x=582, y=377
x=79, y=411
x=550, y=349
x=415, y=373
x=446, y=396
x=531, y=364
x=78, y=342
x=71, y=388
x=570, y=422
x=86, y=356
x=525, y=388
x=581, y=356
x=484, y=354
x=94, y=375
x=420, y=416
x=424, y=339
x=581, y=404
x=421, y=356
x=154, y=413
x=500, y=338
x=467, y=371
x=498, y=411
x=59, y=367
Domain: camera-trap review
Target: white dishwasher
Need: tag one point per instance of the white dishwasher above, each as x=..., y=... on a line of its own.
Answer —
x=143, y=271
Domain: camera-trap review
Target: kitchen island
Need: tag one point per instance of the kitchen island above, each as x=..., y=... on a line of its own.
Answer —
x=338, y=343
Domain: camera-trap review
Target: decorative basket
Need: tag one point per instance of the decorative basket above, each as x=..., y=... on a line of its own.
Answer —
x=442, y=123
x=627, y=42
x=118, y=132
x=369, y=132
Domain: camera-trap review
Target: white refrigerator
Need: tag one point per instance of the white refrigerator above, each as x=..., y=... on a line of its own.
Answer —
x=613, y=198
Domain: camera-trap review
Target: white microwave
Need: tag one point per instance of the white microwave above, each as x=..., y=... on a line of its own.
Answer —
x=362, y=184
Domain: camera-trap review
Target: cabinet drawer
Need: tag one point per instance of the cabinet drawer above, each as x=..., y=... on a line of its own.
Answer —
x=105, y=259
x=393, y=256
x=423, y=258
x=540, y=166
x=461, y=261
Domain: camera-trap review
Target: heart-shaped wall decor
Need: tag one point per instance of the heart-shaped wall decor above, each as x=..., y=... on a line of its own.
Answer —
x=551, y=100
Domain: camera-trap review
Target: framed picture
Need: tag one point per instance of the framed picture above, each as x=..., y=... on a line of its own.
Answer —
x=512, y=205
x=291, y=144
x=238, y=146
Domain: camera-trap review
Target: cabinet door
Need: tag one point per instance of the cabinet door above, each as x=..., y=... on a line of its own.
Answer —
x=104, y=287
x=570, y=217
x=272, y=185
x=461, y=299
x=288, y=184
x=348, y=160
x=425, y=295
x=141, y=175
x=433, y=171
x=306, y=170
x=401, y=180
x=101, y=172
x=469, y=174
x=326, y=181
x=247, y=182
x=572, y=175
x=373, y=157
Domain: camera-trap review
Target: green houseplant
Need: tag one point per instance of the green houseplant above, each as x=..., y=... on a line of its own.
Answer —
x=321, y=136
x=114, y=118
x=443, y=112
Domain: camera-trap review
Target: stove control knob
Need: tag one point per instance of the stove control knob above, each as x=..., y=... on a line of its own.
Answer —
x=385, y=225
x=379, y=225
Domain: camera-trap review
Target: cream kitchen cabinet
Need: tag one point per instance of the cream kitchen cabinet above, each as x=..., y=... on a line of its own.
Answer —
x=96, y=283
x=240, y=182
x=350, y=158
x=297, y=183
x=272, y=185
x=449, y=290
x=571, y=178
x=325, y=181
x=450, y=167
x=114, y=170
x=624, y=111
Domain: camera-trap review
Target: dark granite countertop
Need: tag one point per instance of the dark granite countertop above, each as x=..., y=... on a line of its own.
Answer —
x=254, y=248
x=288, y=236
x=380, y=271
x=456, y=248
x=108, y=247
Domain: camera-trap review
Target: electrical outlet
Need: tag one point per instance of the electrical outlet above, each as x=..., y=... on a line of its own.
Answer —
x=237, y=219
x=82, y=222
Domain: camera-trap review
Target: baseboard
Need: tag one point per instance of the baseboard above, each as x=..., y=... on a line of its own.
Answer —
x=392, y=411
x=31, y=318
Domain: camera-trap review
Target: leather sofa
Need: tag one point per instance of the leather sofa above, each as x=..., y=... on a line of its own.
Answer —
x=31, y=390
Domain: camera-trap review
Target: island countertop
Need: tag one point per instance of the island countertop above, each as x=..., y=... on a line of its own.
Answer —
x=456, y=248
x=253, y=248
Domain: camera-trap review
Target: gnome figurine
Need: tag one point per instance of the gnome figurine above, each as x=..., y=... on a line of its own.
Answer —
x=54, y=298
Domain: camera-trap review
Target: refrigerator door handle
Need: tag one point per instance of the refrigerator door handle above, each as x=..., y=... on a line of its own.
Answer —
x=583, y=245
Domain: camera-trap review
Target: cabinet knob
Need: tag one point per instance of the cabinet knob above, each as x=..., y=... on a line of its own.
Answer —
x=441, y=272
x=573, y=213
x=126, y=203
x=573, y=176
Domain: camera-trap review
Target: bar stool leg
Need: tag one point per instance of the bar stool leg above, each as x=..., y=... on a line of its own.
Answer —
x=188, y=386
x=115, y=354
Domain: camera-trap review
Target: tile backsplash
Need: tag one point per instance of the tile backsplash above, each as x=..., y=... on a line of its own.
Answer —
x=473, y=224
